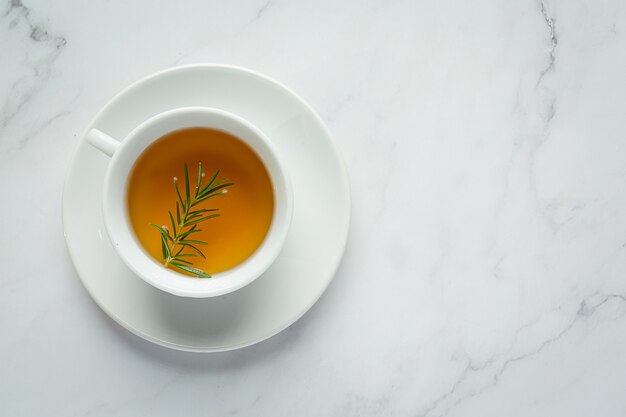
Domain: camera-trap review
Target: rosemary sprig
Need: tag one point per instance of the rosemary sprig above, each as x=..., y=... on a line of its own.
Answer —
x=185, y=222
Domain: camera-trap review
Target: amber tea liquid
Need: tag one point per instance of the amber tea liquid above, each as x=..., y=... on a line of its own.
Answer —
x=245, y=211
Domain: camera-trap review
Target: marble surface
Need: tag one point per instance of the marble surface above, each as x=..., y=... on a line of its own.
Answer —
x=485, y=273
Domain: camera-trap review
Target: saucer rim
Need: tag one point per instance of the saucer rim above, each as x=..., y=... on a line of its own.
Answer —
x=344, y=180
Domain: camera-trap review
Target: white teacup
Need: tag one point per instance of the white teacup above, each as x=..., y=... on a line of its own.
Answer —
x=123, y=155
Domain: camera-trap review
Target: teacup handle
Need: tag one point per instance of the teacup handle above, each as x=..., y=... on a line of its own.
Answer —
x=102, y=141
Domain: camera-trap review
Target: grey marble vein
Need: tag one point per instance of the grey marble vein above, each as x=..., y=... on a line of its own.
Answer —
x=554, y=41
x=27, y=86
x=586, y=309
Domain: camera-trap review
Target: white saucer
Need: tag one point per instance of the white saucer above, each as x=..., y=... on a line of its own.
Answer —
x=313, y=247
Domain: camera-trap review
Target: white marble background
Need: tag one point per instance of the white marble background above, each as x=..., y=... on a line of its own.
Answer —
x=485, y=273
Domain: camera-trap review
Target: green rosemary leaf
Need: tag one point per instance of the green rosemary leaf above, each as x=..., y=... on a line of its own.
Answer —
x=168, y=251
x=193, y=216
x=220, y=182
x=163, y=231
x=194, y=248
x=177, y=259
x=197, y=215
x=182, y=236
x=210, y=197
x=163, y=247
x=216, y=188
x=177, y=212
x=206, y=187
x=180, y=198
x=199, y=178
x=198, y=272
x=160, y=229
x=204, y=198
x=192, y=213
x=187, y=196
x=212, y=216
x=195, y=242
x=173, y=223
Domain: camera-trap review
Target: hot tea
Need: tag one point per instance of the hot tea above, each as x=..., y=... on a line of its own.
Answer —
x=245, y=211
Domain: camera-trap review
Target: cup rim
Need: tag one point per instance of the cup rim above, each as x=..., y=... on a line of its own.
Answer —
x=166, y=279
